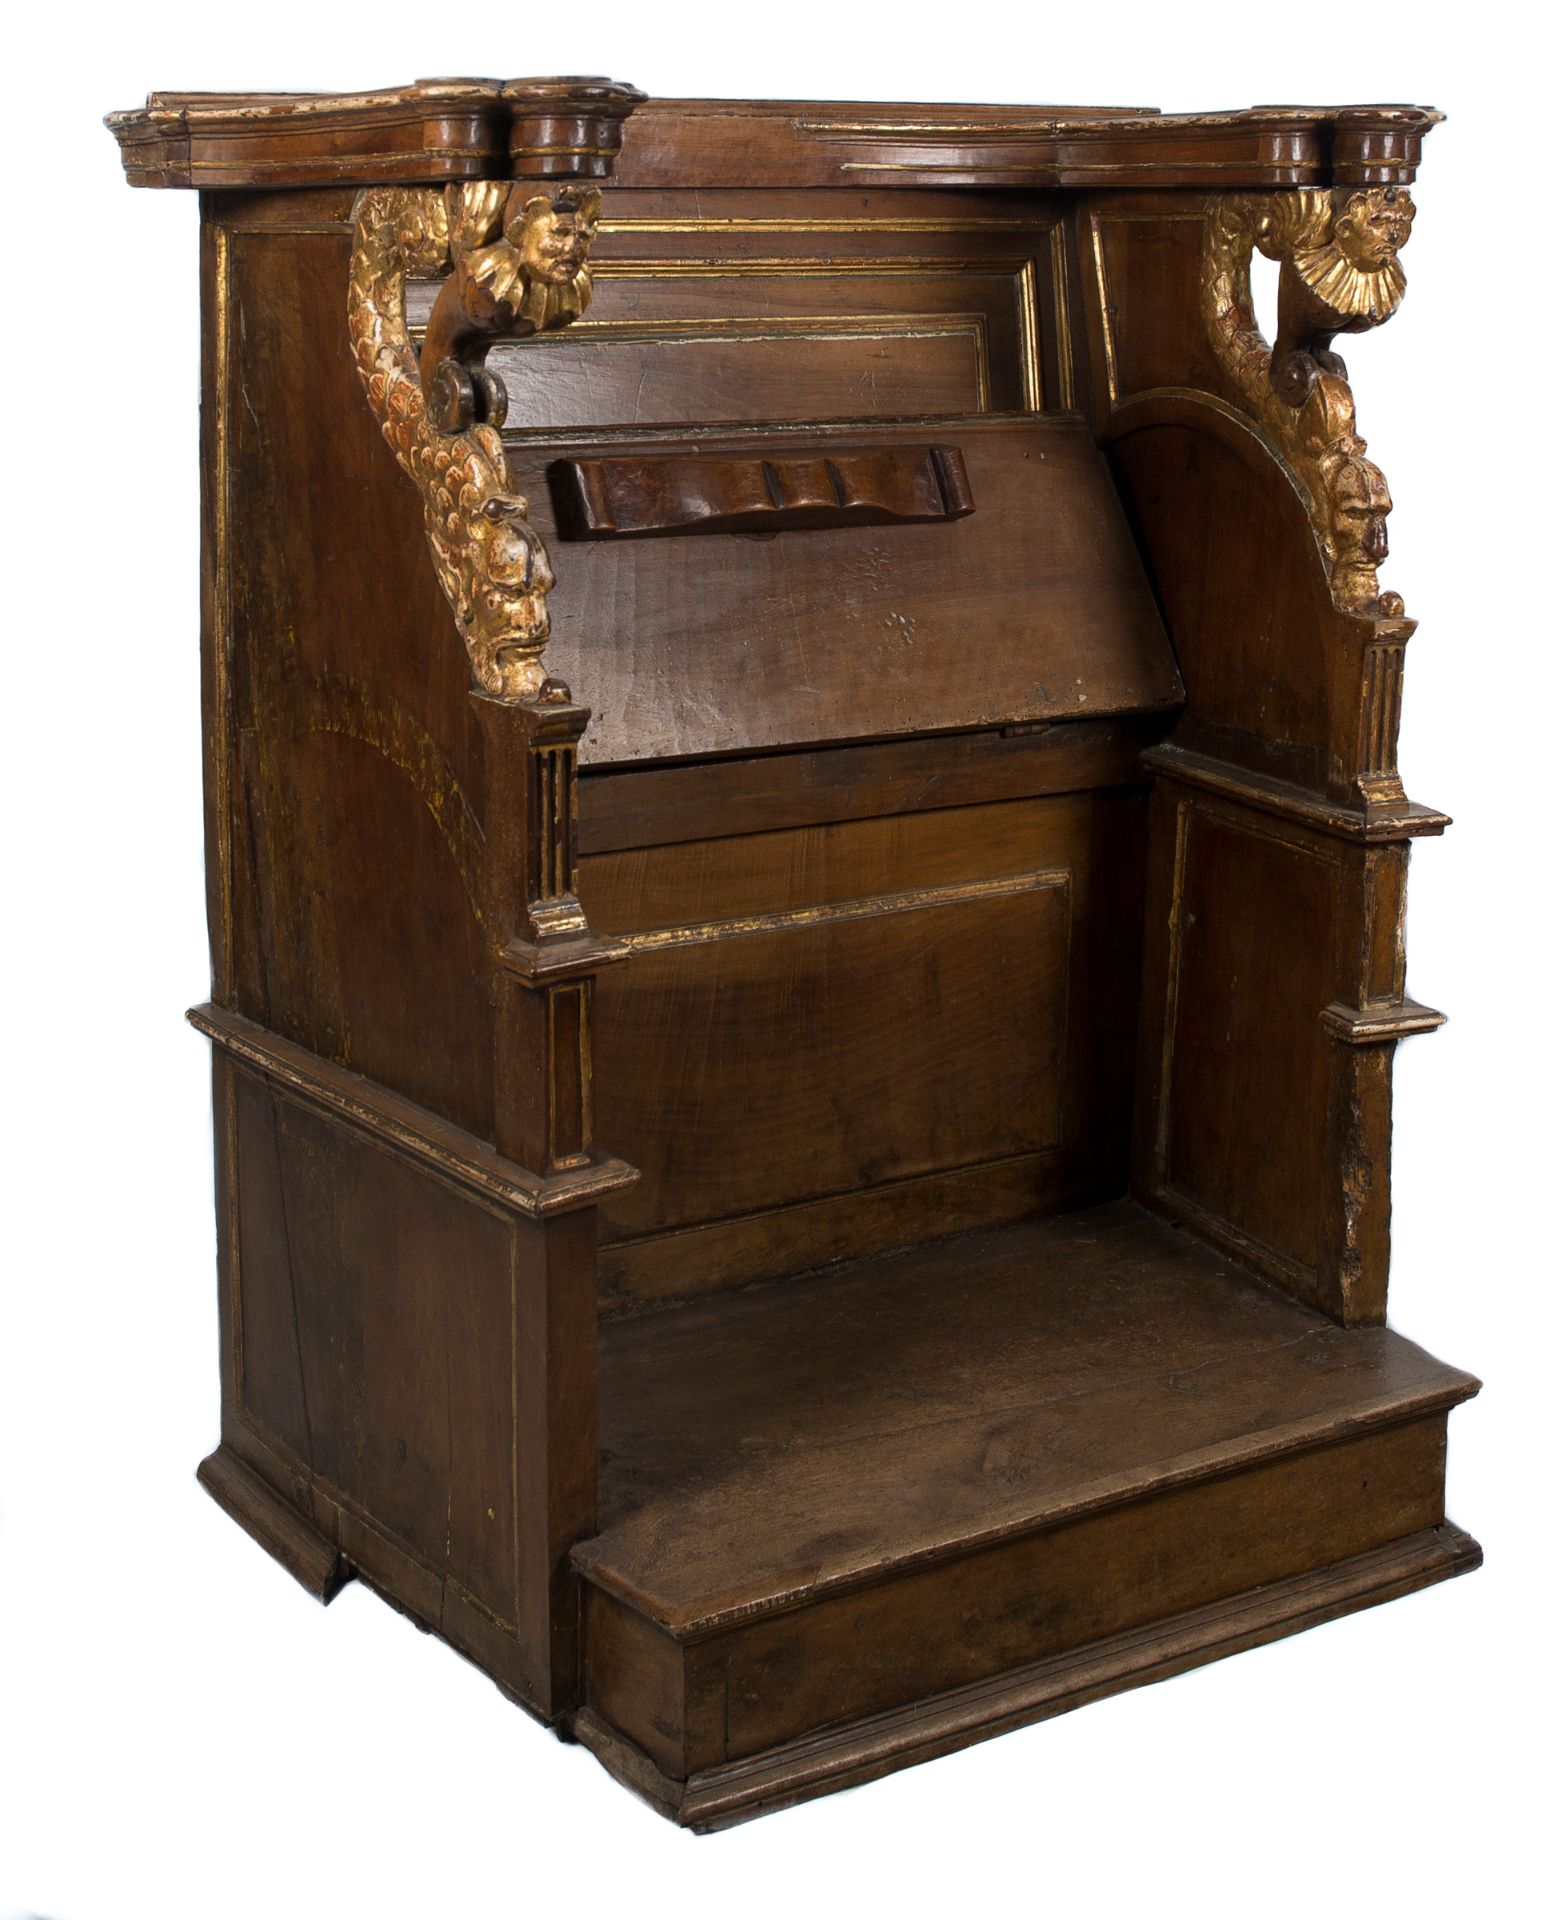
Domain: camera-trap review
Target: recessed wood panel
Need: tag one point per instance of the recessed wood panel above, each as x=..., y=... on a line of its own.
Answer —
x=375, y=1329
x=1245, y=1062
x=795, y=334
x=835, y=1048
x=1147, y=303
x=832, y=1010
x=869, y=366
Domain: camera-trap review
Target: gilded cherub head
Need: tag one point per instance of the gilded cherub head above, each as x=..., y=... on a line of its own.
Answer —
x=553, y=233
x=1372, y=226
x=536, y=274
x=1349, y=266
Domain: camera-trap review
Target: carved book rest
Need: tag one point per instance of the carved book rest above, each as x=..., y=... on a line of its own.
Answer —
x=803, y=1170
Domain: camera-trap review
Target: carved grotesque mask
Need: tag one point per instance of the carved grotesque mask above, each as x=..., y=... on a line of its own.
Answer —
x=1360, y=505
x=553, y=235
x=1373, y=226
x=512, y=555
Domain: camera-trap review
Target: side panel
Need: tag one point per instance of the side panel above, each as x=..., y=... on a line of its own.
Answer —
x=1274, y=991
x=345, y=768
x=411, y=1367
x=1242, y=1125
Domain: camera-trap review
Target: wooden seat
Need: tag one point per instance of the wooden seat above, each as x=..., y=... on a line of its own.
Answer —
x=835, y=1496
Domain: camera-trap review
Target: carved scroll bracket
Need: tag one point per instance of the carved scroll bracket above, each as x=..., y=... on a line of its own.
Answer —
x=1340, y=273
x=515, y=256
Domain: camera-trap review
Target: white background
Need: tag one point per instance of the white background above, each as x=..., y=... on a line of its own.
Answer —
x=182, y=1732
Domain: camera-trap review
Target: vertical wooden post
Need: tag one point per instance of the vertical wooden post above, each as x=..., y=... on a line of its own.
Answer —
x=1371, y=1014
x=545, y=961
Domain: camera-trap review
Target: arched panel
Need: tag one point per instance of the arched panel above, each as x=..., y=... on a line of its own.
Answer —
x=1228, y=545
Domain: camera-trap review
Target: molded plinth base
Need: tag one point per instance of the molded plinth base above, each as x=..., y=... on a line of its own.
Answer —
x=270, y=1521
x=850, y=1756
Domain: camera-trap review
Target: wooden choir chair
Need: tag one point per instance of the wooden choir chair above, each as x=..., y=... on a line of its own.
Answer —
x=806, y=877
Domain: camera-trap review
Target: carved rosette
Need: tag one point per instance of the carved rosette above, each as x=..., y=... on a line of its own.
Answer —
x=1340, y=273
x=517, y=261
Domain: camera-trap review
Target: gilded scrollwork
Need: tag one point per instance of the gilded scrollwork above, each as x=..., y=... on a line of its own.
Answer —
x=1340, y=273
x=518, y=264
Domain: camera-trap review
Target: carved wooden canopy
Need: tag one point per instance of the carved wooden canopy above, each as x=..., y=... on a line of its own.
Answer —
x=441, y=130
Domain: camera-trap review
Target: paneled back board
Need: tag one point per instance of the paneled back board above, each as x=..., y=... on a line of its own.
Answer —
x=835, y=1038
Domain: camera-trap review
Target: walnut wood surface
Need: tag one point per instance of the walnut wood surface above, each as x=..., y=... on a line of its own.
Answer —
x=660, y=804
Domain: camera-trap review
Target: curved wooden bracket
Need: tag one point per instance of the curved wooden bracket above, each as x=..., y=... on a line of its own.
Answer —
x=517, y=259
x=1340, y=273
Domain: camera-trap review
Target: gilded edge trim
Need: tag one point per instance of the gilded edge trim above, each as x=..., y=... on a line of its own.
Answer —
x=1068, y=170
x=222, y=609
x=853, y=326
x=630, y=223
x=329, y=170
x=858, y=266
x=870, y=223
x=871, y=907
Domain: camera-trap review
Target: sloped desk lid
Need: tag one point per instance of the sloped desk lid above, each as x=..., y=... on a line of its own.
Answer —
x=1033, y=607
